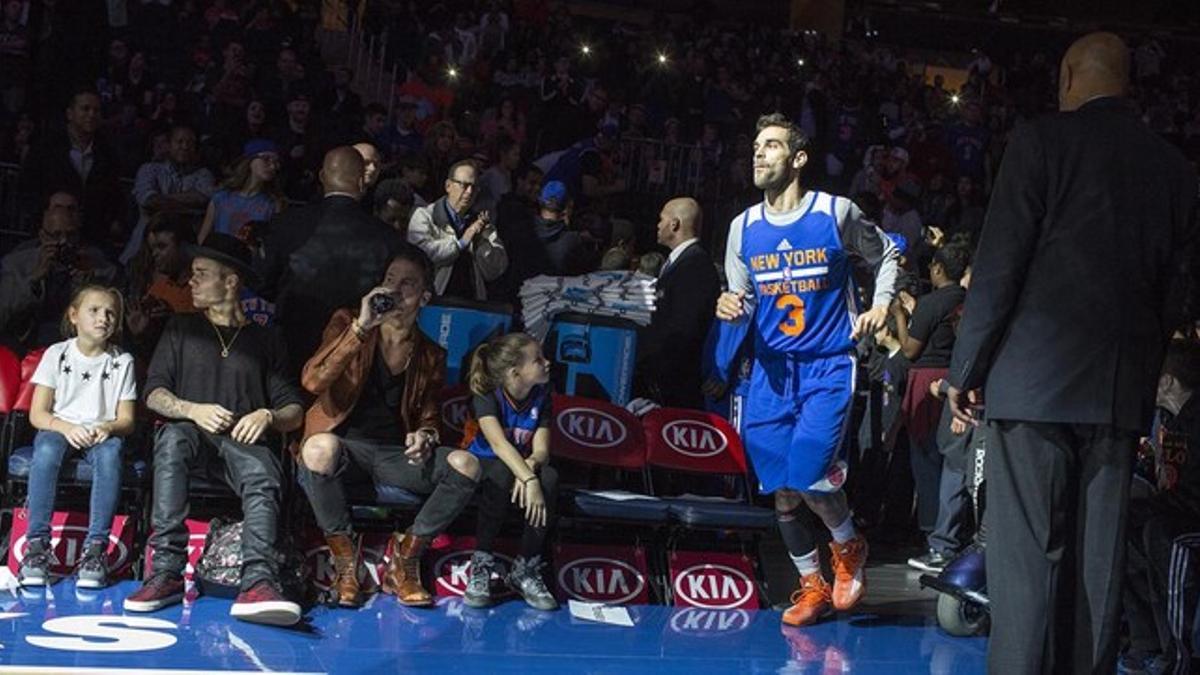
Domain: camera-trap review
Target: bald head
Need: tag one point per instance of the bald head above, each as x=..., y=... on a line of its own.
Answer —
x=343, y=171
x=679, y=221
x=1096, y=65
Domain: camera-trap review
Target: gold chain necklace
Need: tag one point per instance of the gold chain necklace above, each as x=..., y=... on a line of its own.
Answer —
x=225, y=345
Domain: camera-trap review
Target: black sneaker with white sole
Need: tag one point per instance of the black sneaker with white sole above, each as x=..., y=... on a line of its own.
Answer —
x=92, y=571
x=35, y=566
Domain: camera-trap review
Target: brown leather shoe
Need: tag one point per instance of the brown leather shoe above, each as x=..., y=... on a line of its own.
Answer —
x=403, y=576
x=345, y=568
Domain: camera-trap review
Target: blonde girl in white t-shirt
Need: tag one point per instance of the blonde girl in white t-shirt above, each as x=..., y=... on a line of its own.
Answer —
x=83, y=401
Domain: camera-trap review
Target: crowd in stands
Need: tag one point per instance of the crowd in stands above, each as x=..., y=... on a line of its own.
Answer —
x=516, y=144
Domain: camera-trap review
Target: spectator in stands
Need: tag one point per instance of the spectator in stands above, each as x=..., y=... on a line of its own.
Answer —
x=497, y=181
x=670, y=349
x=371, y=172
x=586, y=168
x=325, y=255
x=374, y=128
x=252, y=192
x=16, y=46
x=223, y=413
x=465, y=249
x=82, y=163
x=504, y=121
x=84, y=400
x=377, y=379
x=442, y=147
x=159, y=290
x=414, y=172
x=403, y=139
x=561, y=97
x=560, y=250
x=887, y=371
x=37, y=280
x=516, y=213
x=509, y=431
x=177, y=185
x=340, y=103
x=298, y=143
x=394, y=205
x=965, y=215
x=969, y=142
x=279, y=86
x=900, y=216
x=927, y=340
x=1161, y=592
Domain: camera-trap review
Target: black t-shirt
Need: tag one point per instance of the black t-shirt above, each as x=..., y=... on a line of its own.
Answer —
x=188, y=363
x=933, y=323
x=374, y=417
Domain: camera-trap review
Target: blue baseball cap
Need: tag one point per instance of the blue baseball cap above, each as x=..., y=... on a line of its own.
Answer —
x=258, y=146
x=554, y=195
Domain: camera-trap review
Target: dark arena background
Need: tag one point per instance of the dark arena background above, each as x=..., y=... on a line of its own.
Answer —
x=258, y=259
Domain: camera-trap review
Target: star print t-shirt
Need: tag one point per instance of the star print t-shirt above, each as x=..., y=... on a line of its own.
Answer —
x=87, y=389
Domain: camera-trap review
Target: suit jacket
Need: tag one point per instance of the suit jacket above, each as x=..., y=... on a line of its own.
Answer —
x=337, y=373
x=671, y=348
x=101, y=199
x=1071, y=299
x=319, y=258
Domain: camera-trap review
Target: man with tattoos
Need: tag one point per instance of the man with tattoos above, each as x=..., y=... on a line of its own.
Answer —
x=220, y=382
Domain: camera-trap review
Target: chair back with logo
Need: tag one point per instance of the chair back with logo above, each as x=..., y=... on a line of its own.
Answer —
x=591, y=431
x=698, y=463
x=29, y=365
x=10, y=380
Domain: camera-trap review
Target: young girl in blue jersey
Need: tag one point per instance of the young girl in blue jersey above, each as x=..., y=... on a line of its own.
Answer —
x=510, y=434
x=83, y=402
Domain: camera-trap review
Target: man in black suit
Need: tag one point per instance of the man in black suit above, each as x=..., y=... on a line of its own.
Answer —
x=325, y=255
x=670, y=349
x=82, y=163
x=1066, y=321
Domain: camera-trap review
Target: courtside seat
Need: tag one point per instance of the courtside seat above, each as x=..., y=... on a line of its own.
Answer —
x=597, y=435
x=700, y=449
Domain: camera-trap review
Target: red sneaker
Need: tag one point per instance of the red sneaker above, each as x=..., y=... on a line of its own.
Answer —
x=849, y=580
x=161, y=590
x=810, y=602
x=264, y=603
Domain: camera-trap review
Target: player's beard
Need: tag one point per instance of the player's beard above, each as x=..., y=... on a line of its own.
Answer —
x=772, y=181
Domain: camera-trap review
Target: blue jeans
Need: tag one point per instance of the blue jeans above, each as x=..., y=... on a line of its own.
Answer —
x=50, y=448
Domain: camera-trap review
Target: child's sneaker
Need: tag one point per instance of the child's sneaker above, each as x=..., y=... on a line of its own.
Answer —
x=479, y=584
x=92, y=571
x=35, y=566
x=526, y=579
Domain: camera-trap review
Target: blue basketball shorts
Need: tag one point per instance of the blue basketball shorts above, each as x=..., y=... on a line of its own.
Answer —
x=796, y=420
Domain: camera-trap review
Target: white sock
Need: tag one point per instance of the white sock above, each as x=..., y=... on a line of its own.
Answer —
x=806, y=564
x=844, y=532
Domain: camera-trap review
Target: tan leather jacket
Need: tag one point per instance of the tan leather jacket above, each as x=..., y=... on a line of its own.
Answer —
x=337, y=373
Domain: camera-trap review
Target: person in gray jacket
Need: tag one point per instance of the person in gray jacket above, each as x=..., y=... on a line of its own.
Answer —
x=465, y=249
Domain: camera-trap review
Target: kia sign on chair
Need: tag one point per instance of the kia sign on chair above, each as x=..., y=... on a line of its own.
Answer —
x=713, y=580
x=613, y=575
x=452, y=564
x=68, y=530
x=197, y=534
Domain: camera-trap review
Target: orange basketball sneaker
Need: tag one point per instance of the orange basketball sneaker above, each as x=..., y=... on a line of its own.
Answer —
x=809, y=602
x=849, y=579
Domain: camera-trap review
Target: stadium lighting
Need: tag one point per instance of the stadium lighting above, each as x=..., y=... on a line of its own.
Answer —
x=800, y=62
x=585, y=49
x=662, y=59
x=955, y=99
x=452, y=72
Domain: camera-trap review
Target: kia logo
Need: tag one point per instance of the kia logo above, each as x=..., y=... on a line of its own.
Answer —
x=454, y=569
x=591, y=428
x=454, y=413
x=694, y=439
x=714, y=587
x=709, y=622
x=601, y=580
x=321, y=563
x=72, y=536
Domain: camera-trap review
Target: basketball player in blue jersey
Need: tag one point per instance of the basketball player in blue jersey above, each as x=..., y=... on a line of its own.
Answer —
x=789, y=261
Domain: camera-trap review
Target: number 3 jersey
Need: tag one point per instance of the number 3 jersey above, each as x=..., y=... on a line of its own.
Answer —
x=796, y=271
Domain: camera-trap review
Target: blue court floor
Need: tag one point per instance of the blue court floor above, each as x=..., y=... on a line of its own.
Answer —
x=65, y=630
